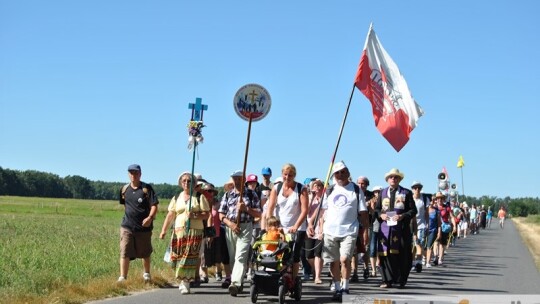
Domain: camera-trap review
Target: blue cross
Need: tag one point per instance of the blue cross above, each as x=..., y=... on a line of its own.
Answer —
x=197, y=109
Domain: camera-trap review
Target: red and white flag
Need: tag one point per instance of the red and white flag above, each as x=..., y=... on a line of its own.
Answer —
x=379, y=79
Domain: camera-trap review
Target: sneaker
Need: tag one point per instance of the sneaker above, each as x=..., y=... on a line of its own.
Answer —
x=332, y=287
x=233, y=290
x=337, y=296
x=345, y=291
x=354, y=278
x=219, y=277
x=366, y=273
x=428, y=265
x=440, y=263
x=146, y=277
x=183, y=288
x=204, y=280
x=226, y=283
x=121, y=279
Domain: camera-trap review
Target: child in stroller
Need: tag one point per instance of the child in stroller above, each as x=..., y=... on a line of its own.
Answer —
x=272, y=262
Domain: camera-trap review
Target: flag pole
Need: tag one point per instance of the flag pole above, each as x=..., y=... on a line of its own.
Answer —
x=462, y=184
x=327, y=179
x=244, y=169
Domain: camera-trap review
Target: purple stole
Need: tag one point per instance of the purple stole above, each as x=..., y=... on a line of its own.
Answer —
x=390, y=236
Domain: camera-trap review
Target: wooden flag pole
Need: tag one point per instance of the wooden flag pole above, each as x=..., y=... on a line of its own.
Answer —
x=252, y=103
x=238, y=213
x=332, y=160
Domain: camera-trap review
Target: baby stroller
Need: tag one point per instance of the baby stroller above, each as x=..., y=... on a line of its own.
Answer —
x=272, y=271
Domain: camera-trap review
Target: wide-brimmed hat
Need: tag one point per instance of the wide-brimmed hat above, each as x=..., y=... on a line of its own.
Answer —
x=440, y=195
x=394, y=172
x=338, y=166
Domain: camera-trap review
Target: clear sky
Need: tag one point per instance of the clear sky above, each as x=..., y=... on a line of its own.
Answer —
x=89, y=87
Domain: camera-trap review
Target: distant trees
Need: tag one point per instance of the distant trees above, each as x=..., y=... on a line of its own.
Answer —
x=41, y=184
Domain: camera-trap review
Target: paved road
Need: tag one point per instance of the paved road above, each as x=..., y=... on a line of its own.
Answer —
x=493, y=262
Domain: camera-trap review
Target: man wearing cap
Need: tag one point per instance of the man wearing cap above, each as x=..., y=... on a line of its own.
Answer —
x=421, y=202
x=343, y=204
x=238, y=216
x=140, y=205
x=394, y=210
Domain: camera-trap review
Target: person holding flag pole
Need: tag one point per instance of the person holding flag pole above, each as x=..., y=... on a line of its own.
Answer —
x=394, y=109
x=240, y=206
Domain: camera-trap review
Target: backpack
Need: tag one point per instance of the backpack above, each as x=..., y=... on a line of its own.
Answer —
x=145, y=188
x=298, y=188
x=356, y=190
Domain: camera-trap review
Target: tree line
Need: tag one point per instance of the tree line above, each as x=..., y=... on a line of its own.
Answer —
x=41, y=184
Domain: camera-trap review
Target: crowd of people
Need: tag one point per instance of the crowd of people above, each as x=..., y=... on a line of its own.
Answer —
x=386, y=231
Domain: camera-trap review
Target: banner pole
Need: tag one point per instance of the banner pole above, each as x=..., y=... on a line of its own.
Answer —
x=327, y=179
x=244, y=169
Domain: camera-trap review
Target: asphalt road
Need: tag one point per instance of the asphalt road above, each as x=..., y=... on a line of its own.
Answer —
x=494, y=262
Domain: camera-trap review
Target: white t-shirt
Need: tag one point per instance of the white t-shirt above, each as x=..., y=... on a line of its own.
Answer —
x=421, y=215
x=289, y=209
x=341, y=211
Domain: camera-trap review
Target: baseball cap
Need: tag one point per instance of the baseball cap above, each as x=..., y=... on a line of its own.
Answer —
x=266, y=171
x=237, y=173
x=134, y=167
x=251, y=178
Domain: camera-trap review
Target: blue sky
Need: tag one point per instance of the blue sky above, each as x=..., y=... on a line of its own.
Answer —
x=89, y=87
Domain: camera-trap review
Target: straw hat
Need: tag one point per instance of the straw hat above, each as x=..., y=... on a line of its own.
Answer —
x=394, y=172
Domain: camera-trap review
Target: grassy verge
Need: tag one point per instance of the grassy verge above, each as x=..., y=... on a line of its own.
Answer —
x=529, y=229
x=66, y=251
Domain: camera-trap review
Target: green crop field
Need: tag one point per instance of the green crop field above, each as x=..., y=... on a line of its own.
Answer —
x=67, y=251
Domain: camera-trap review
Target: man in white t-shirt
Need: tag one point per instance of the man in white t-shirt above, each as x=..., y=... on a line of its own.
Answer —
x=343, y=203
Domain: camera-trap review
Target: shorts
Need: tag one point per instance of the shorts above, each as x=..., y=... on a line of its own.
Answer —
x=298, y=245
x=463, y=225
x=421, y=237
x=135, y=245
x=336, y=247
x=444, y=238
x=432, y=236
x=313, y=248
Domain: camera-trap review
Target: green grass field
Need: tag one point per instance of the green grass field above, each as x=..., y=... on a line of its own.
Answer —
x=67, y=250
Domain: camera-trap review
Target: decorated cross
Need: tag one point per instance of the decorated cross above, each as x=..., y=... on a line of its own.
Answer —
x=197, y=109
x=196, y=124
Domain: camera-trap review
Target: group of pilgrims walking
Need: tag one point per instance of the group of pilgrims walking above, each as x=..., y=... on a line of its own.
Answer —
x=385, y=232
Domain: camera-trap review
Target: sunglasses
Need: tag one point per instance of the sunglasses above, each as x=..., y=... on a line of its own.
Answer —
x=417, y=188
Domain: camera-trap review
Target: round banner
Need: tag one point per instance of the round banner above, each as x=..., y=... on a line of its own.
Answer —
x=252, y=100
